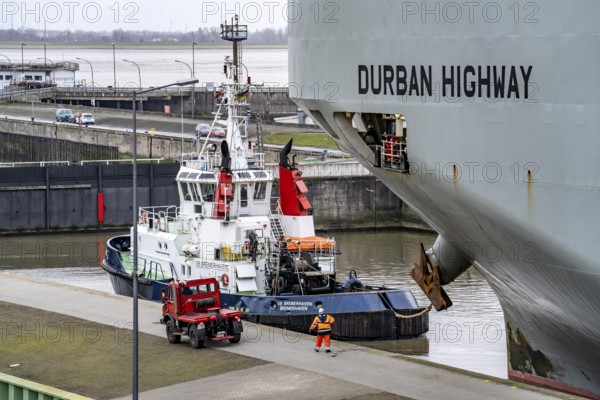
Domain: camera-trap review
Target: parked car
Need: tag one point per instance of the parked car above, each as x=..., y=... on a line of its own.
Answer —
x=65, y=115
x=217, y=132
x=202, y=129
x=85, y=119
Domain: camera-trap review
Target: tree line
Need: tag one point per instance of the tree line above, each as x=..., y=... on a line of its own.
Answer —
x=201, y=35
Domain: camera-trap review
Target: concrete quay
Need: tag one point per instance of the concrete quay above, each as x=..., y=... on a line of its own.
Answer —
x=295, y=370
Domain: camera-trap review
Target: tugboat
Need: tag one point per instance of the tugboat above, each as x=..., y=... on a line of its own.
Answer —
x=269, y=263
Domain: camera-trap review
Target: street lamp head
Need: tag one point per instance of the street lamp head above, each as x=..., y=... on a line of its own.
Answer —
x=186, y=82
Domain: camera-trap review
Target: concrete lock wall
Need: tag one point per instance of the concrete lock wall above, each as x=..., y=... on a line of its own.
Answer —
x=147, y=145
x=25, y=148
x=66, y=198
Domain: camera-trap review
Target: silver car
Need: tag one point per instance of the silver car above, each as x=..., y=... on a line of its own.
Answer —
x=202, y=129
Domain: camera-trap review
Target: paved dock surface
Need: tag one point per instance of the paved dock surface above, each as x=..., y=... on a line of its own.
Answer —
x=297, y=372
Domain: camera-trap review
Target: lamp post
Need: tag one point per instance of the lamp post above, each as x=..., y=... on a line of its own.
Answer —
x=22, y=61
x=140, y=79
x=51, y=62
x=53, y=88
x=91, y=67
x=192, y=75
x=10, y=66
x=187, y=65
x=114, y=68
x=139, y=72
x=45, y=44
x=186, y=82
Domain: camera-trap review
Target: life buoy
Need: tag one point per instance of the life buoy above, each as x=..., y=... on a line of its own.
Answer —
x=225, y=279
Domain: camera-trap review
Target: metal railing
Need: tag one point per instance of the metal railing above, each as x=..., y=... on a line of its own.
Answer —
x=159, y=217
x=122, y=161
x=393, y=155
x=205, y=162
x=33, y=164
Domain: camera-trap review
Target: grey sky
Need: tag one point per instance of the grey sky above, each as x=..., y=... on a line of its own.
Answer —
x=163, y=15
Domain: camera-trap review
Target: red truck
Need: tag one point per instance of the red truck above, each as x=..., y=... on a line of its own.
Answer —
x=193, y=308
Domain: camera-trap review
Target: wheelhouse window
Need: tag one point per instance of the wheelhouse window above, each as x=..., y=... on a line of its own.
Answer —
x=208, y=191
x=185, y=191
x=244, y=195
x=260, y=190
x=194, y=192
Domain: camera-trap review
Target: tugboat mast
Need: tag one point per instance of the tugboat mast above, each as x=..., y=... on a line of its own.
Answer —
x=235, y=33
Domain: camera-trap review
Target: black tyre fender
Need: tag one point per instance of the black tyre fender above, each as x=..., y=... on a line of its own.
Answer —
x=281, y=284
x=173, y=339
x=196, y=337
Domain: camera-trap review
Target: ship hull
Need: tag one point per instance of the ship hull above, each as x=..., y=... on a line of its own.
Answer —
x=510, y=180
x=367, y=315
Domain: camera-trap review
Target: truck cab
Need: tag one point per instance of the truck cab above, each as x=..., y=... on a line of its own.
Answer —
x=193, y=308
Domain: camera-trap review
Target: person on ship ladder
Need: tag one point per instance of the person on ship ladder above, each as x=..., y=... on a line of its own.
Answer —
x=322, y=324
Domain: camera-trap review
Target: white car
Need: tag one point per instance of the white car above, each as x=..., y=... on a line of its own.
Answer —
x=85, y=119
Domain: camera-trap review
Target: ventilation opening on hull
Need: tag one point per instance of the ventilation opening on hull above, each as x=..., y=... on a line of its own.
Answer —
x=385, y=135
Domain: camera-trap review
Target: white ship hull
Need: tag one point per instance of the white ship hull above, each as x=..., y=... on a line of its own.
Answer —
x=511, y=178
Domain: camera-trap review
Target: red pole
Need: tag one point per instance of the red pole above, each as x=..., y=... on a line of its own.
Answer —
x=101, y=207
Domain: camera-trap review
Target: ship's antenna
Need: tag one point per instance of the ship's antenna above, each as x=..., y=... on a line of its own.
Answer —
x=235, y=33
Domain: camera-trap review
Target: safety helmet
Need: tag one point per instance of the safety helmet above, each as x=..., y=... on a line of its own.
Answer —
x=321, y=310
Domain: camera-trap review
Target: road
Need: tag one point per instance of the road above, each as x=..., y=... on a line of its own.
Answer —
x=122, y=119
x=107, y=118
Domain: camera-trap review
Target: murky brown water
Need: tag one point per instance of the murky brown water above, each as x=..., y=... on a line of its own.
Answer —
x=470, y=335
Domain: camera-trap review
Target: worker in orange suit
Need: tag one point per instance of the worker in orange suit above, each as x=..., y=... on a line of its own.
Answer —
x=322, y=324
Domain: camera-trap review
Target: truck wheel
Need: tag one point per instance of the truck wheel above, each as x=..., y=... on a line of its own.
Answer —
x=195, y=341
x=236, y=338
x=174, y=339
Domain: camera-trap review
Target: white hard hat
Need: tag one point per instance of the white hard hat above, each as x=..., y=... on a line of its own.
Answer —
x=321, y=310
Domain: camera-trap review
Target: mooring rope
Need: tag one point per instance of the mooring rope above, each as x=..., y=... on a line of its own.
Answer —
x=398, y=315
x=423, y=312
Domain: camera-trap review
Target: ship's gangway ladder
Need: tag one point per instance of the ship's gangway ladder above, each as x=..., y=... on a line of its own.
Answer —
x=259, y=133
x=276, y=236
x=276, y=228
